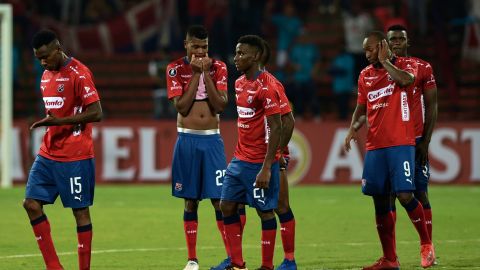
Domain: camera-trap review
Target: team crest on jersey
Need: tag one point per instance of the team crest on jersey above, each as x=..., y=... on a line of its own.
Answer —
x=250, y=99
x=172, y=72
x=60, y=88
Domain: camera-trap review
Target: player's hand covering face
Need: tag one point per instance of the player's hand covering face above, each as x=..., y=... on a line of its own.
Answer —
x=384, y=52
x=245, y=56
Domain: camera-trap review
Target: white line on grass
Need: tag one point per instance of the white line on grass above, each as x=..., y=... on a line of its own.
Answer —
x=127, y=250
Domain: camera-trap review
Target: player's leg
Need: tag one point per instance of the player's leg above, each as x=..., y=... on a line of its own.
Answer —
x=243, y=215
x=287, y=223
x=402, y=165
x=265, y=201
x=41, y=189
x=375, y=184
x=422, y=177
x=186, y=174
x=84, y=236
x=77, y=193
x=233, y=193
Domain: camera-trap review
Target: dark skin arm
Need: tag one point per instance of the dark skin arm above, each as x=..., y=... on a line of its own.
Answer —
x=288, y=124
x=184, y=103
x=217, y=99
x=93, y=113
x=431, y=112
x=357, y=122
x=263, y=177
x=400, y=77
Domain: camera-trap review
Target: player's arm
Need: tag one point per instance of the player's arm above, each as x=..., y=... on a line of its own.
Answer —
x=216, y=98
x=431, y=113
x=358, y=120
x=401, y=77
x=184, y=102
x=288, y=124
x=275, y=124
x=93, y=113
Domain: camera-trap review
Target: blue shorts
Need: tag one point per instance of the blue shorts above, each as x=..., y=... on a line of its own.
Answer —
x=238, y=185
x=422, y=174
x=198, y=167
x=389, y=170
x=74, y=181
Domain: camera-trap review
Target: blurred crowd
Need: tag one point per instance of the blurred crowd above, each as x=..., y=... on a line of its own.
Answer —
x=317, y=44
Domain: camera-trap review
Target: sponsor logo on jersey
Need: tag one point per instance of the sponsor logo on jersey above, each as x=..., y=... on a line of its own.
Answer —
x=62, y=80
x=60, y=88
x=43, y=87
x=45, y=80
x=172, y=72
x=382, y=92
x=175, y=86
x=405, y=108
x=53, y=102
x=250, y=99
x=186, y=75
x=244, y=112
x=379, y=105
x=241, y=125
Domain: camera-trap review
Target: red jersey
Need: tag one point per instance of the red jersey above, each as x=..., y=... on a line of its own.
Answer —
x=255, y=100
x=284, y=104
x=67, y=92
x=179, y=74
x=425, y=81
x=388, y=105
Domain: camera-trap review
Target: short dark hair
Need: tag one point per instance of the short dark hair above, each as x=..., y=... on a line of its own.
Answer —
x=267, y=52
x=43, y=37
x=197, y=31
x=378, y=34
x=397, y=27
x=252, y=40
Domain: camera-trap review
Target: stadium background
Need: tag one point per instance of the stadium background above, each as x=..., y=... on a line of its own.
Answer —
x=127, y=45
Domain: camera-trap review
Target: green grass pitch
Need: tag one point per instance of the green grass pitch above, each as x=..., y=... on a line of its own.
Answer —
x=140, y=227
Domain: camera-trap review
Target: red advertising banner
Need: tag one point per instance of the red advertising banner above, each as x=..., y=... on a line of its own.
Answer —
x=141, y=152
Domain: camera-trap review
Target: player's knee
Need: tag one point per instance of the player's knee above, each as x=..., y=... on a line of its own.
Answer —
x=422, y=197
x=32, y=206
x=82, y=216
x=216, y=204
x=404, y=198
x=282, y=208
x=228, y=208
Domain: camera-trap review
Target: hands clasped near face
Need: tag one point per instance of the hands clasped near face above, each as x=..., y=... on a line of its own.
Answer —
x=200, y=64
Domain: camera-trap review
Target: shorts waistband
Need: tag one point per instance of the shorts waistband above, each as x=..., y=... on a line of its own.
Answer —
x=199, y=132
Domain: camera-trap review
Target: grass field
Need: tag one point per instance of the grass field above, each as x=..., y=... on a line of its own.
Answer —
x=140, y=227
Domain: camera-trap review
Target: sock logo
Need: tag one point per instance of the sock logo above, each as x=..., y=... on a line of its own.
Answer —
x=38, y=238
x=191, y=231
x=80, y=246
x=416, y=220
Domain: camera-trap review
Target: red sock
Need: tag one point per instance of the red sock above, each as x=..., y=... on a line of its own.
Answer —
x=233, y=231
x=84, y=235
x=190, y=225
x=386, y=229
x=394, y=215
x=41, y=229
x=417, y=216
x=221, y=228
x=287, y=231
x=243, y=217
x=269, y=232
x=428, y=221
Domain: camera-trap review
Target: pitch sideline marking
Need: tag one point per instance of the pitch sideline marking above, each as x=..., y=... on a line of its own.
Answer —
x=216, y=247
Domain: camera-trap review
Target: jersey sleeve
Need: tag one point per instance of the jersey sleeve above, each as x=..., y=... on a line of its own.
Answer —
x=86, y=89
x=174, y=85
x=270, y=99
x=411, y=67
x=221, y=75
x=429, y=79
x=284, y=102
x=362, y=94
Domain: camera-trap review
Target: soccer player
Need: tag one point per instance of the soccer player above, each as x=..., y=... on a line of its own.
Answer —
x=424, y=113
x=283, y=211
x=253, y=174
x=197, y=85
x=385, y=92
x=65, y=163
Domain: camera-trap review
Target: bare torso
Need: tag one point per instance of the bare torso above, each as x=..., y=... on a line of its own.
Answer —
x=200, y=117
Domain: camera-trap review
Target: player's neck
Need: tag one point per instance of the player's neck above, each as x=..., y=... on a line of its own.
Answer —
x=252, y=73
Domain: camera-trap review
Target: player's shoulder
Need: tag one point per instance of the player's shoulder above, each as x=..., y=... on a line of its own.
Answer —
x=240, y=79
x=266, y=78
x=421, y=62
x=218, y=64
x=77, y=69
x=174, y=66
x=406, y=60
x=366, y=71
